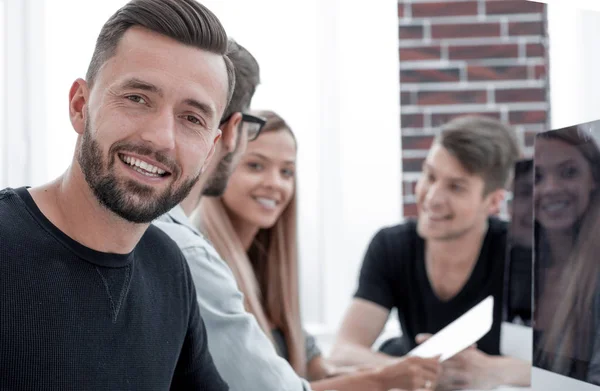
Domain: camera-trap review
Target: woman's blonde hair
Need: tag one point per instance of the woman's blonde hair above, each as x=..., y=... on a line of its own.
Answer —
x=267, y=274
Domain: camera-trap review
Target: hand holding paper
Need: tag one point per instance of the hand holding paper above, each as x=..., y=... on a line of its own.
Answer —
x=460, y=334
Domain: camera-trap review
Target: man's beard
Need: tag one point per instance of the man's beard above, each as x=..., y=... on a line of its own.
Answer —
x=217, y=183
x=129, y=199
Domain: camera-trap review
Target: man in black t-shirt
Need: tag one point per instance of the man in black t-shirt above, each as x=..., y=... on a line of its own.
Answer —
x=436, y=268
x=91, y=298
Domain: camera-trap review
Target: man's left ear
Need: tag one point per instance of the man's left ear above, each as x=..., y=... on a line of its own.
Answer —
x=495, y=200
x=230, y=132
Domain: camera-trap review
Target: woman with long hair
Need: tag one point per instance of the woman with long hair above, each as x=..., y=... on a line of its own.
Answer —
x=262, y=259
x=253, y=227
x=567, y=221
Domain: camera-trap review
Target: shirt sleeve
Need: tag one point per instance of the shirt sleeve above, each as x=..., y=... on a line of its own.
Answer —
x=374, y=282
x=312, y=349
x=244, y=355
x=196, y=369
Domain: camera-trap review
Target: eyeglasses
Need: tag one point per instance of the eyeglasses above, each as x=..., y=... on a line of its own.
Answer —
x=251, y=124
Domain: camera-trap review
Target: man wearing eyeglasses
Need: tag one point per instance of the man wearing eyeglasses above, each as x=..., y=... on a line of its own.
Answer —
x=242, y=353
x=250, y=126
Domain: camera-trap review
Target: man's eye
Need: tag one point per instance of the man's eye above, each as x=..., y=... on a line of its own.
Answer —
x=136, y=99
x=193, y=119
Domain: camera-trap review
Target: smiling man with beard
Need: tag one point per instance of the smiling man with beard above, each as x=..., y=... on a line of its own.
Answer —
x=91, y=297
x=436, y=268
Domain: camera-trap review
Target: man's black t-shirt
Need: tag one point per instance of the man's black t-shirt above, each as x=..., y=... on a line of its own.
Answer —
x=72, y=318
x=393, y=274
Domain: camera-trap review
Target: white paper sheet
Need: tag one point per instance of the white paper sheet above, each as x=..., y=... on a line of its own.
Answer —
x=460, y=334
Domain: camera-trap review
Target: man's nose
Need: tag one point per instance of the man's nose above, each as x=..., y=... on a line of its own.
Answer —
x=160, y=130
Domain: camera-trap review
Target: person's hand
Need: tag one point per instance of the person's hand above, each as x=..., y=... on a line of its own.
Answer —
x=410, y=373
x=333, y=370
x=469, y=369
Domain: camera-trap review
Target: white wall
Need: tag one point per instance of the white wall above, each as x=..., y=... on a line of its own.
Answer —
x=22, y=126
x=330, y=67
x=574, y=39
x=368, y=141
x=71, y=28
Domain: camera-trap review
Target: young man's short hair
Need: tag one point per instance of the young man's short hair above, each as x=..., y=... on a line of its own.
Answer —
x=483, y=146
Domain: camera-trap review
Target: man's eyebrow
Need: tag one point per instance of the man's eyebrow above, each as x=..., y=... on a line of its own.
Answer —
x=205, y=108
x=139, y=84
x=427, y=167
x=455, y=179
x=461, y=181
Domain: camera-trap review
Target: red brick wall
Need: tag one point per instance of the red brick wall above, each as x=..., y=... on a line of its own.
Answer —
x=466, y=57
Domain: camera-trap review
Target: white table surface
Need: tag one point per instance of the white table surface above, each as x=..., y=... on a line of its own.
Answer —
x=516, y=342
x=508, y=389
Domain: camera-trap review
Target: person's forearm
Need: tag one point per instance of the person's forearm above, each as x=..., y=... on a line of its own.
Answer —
x=512, y=371
x=352, y=354
x=360, y=381
x=318, y=369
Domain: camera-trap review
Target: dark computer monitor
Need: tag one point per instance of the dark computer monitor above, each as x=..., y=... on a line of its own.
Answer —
x=566, y=246
x=519, y=260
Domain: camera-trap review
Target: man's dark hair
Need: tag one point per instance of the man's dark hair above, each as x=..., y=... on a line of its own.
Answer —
x=247, y=76
x=483, y=146
x=185, y=21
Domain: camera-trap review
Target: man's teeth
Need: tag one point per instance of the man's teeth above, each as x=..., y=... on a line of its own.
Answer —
x=266, y=202
x=438, y=218
x=149, y=168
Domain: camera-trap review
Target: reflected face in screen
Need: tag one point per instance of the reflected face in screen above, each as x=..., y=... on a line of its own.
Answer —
x=563, y=184
x=151, y=124
x=263, y=184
